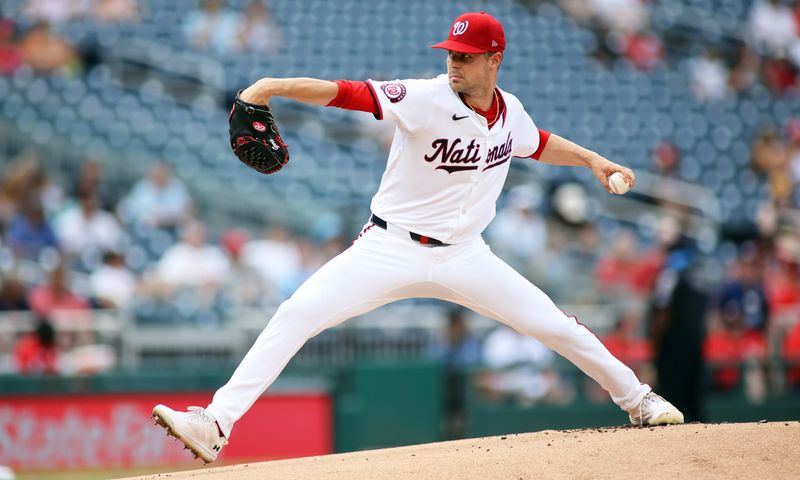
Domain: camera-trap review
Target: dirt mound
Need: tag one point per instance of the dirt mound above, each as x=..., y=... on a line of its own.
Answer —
x=697, y=451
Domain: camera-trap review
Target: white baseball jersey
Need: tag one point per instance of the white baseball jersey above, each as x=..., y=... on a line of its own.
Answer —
x=446, y=168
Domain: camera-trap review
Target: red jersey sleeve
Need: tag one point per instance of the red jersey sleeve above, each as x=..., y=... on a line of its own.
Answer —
x=544, y=136
x=355, y=96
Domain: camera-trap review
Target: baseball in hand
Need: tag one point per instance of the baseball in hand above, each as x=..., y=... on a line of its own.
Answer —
x=618, y=183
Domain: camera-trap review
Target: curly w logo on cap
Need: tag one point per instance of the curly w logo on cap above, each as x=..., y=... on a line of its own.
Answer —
x=460, y=27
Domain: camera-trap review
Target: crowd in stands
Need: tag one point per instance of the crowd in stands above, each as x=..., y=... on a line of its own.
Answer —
x=146, y=249
x=766, y=49
x=215, y=28
x=36, y=41
x=78, y=228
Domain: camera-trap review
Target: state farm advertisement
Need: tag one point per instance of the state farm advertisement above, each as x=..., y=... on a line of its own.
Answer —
x=115, y=430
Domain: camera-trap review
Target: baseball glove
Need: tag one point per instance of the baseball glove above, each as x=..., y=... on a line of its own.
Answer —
x=254, y=137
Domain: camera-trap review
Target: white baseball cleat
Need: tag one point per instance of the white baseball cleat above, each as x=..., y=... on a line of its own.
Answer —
x=197, y=429
x=654, y=410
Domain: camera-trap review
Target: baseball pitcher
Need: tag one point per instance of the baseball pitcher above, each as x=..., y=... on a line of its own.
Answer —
x=455, y=137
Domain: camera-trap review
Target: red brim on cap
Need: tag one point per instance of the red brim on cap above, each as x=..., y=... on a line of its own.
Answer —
x=458, y=47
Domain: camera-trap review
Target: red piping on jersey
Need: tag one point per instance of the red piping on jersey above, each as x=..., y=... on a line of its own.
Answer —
x=502, y=106
x=379, y=111
x=544, y=136
x=489, y=114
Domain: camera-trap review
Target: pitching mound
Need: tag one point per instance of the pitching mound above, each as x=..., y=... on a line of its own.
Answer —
x=697, y=451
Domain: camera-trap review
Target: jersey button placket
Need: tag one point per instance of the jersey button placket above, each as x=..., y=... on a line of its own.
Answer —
x=474, y=184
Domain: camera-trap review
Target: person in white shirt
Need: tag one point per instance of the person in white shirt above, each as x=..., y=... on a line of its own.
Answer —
x=160, y=200
x=772, y=26
x=113, y=284
x=86, y=227
x=192, y=262
x=456, y=135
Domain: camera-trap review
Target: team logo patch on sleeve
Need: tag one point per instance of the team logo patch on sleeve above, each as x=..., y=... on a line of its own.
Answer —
x=394, y=91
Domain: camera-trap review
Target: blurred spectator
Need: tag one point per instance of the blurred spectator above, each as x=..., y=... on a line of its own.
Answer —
x=326, y=234
x=160, y=200
x=245, y=286
x=311, y=259
x=677, y=329
x=584, y=251
x=737, y=357
x=258, y=31
x=622, y=271
x=709, y=76
x=459, y=349
x=113, y=284
x=46, y=52
x=793, y=134
x=622, y=28
x=123, y=11
x=771, y=157
x=26, y=182
x=86, y=228
x=772, y=26
x=518, y=232
x=570, y=203
x=10, y=53
x=742, y=301
x=29, y=233
x=743, y=318
x=791, y=355
x=192, y=262
x=579, y=253
x=721, y=350
x=276, y=257
x=56, y=11
x=780, y=76
x=666, y=159
x=213, y=27
x=745, y=70
x=643, y=48
x=12, y=294
x=36, y=353
x=609, y=15
x=651, y=261
x=87, y=356
x=783, y=277
x=627, y=344
x=55, y=295
x=6, y=212
x=90, y=178
x=796, y=15
x=458, y=352
x=621, y=15
x=520, y=367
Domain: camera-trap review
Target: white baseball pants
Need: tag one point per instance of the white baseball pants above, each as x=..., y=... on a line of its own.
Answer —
x=383, y=266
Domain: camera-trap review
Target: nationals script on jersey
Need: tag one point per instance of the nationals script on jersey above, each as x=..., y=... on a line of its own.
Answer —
x=446, y=168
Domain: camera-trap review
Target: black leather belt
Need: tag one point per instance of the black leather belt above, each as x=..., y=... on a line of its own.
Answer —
x=422, y=239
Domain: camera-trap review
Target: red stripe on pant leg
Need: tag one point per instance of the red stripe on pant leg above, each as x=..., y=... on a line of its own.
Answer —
x=584, y=326
x=366, y=229
x=598, y=338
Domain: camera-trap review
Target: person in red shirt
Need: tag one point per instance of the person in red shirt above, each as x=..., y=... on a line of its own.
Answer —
x=55, y=295
x=36, y=352
x=10, y=54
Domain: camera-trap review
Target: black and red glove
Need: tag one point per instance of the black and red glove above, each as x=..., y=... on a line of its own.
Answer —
x=255, y=138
